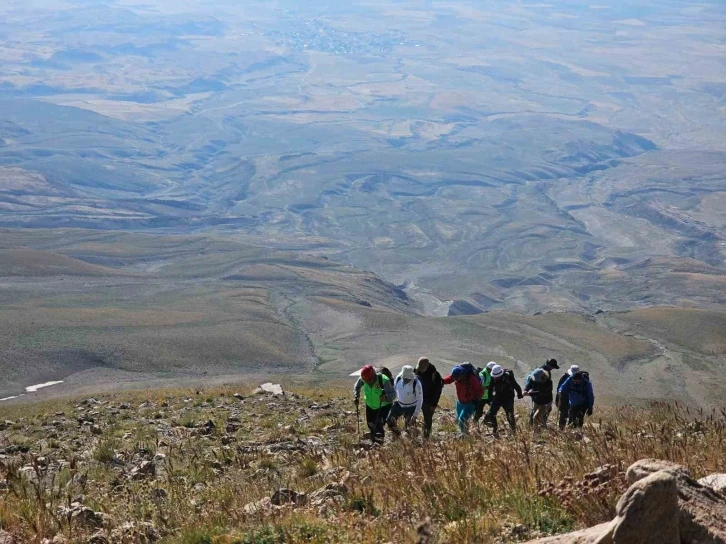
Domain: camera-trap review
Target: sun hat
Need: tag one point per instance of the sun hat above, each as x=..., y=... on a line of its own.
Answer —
x=497, y=371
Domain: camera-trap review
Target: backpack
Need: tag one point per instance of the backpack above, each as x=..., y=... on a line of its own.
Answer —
x=415, y=381
x=538, y=375
x=386, y=372
x=469, y=369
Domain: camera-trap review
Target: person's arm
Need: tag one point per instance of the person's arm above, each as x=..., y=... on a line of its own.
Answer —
x=516, y=387
x=528, y=385
x=565, y=387
x=389, y=392
x=590, y=397
x=477, y=389
x=447, y=380
x=419, y=397
x=356, y=390
x=438, y=388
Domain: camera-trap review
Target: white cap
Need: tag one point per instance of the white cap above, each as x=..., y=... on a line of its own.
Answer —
x=574, y=369
x=491, y=364
x=497, y=371
x=407, y=372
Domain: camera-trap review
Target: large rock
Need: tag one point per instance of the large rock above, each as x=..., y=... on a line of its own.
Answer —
x=273, y=388
x=663, y=505
x=717, y=482
x=648, y=512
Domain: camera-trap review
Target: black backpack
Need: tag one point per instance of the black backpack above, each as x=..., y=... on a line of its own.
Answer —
x=386, y=372
x=470, y=369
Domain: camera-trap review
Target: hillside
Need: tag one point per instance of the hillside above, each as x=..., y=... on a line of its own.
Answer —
x=226, y=465
x=110, y=310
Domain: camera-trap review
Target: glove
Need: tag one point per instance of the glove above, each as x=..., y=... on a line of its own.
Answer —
x=589, y=411
x=519, y=396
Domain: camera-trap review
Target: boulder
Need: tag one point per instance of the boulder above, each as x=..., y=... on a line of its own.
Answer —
x=287, y=496
x=717, y=482
x=273, y=388
x=663, y=505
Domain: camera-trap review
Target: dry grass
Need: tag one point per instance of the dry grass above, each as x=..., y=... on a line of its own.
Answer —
x=153, y=459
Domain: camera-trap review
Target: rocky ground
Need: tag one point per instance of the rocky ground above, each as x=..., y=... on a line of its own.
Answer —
x=231, y=465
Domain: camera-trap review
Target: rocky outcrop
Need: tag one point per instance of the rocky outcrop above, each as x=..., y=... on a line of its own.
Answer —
x=663, y=505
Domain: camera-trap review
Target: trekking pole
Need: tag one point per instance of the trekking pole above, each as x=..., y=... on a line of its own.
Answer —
x=357, y=418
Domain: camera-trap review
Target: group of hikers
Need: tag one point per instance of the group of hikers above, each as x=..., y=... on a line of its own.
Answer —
x=418, y=391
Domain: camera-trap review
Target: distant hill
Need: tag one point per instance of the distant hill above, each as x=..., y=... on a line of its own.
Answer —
x=106, y=310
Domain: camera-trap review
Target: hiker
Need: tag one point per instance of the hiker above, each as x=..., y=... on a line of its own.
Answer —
x=409, y=398
x=468, y=393
x=432, y=386
x=539, y=388
x=501, y=392
x=580, y=396
x=562, y=401
x=378, y=393
x=485, y=377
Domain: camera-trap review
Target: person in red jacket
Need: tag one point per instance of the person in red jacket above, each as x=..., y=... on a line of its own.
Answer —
x=468, y=393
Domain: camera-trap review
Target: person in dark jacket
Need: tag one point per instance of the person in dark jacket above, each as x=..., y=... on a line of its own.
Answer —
x=539, y=388
x=580, y=396
x=468, y=393
x=501, y=392
x=562, y=401
x=432, y=385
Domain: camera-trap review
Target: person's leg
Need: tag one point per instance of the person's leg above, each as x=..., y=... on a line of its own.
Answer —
x=581, y=414
x=428, y=416
x=538, y=418
x=407, y=418
x=383, y=412
x=508, y=406
x=371, y=418
x=396, y=412
x=564, y=410
x=479, y=410
x=467, y=413
x=542, y=411
x=459, y=414
x=547, y=414
x=575, y=416
x=491, y=416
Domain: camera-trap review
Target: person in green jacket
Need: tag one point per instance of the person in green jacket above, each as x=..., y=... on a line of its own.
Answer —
x=379, y=394
x=486, y=378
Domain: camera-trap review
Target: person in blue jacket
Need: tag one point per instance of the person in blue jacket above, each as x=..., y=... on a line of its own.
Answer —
x=578, y=389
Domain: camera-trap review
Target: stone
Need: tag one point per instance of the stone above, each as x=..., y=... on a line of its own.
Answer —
x=82, y=515
x=717, y=482
x=140, y=532
x=648, y=512
x=273, y=388
x=287, y=496
x=7, y=538
x=645, y=467
x=98, y=538
x=663, y=505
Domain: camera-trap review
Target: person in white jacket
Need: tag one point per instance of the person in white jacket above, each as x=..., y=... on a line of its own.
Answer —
x=409, y=398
